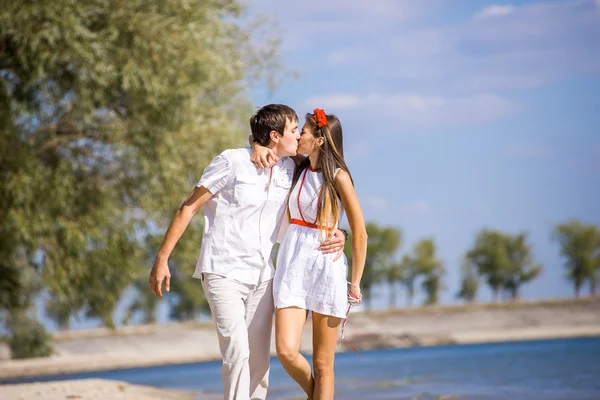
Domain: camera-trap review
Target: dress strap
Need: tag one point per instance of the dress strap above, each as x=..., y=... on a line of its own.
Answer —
x=300, y=194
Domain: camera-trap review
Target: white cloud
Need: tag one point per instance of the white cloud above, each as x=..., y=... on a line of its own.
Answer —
x=314, y=23
x=336, y=101
x=530, y=45
x=374, y=203
x=495, y=11
x=530, y=151
x=340, y=57
x=418, y=208
x=414, y=110
x=331, y=10
x=442, y=74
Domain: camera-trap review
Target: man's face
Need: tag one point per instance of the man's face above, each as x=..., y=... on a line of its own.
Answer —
x=288, y=143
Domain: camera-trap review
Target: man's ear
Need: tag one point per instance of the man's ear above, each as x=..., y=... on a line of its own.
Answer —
x=275, y=136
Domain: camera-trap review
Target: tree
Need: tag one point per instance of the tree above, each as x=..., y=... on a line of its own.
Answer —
x=394, y=274
x=410, y=273
x=382, y=244
x=521, y=268
x=469, y=282
x=489, y=255
x=504, y=261
x=426, y=264
x=580, y=247
x=108, y=110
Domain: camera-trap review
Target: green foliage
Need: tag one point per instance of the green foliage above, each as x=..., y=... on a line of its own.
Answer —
x=393, y=275
x=469, y=282
x=382, y=244
x=11, y=286
x=423, y=262
x=521, y=268
x=580, y=247
x=108, y=111
x=409, y=272
x=29, y=338
x=187, y=299
x=504, y=261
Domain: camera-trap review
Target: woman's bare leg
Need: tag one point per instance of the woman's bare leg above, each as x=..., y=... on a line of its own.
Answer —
x=289, y=323
x=325, y=334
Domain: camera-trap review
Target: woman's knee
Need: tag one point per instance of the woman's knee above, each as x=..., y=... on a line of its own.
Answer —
x=286, y=353
x=323, y=366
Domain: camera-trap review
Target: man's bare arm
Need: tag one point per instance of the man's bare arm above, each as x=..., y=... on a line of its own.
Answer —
x=160, y=269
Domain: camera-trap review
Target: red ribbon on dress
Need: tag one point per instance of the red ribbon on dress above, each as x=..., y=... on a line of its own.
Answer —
x=352, y=301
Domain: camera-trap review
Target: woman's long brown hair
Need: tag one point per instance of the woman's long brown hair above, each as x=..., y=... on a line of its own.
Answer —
x=331, y=157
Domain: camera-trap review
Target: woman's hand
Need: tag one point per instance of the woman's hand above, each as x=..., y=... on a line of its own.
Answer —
x=262, y=157
x=354, y=294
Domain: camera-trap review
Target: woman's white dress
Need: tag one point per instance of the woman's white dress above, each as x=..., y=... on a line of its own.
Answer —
x=305, y=277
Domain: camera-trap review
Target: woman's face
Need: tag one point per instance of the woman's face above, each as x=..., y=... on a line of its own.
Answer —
x=308, y=143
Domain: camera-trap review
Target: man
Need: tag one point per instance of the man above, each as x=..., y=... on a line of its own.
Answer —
x=243, y=211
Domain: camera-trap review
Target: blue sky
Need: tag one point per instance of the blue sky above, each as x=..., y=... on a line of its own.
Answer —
x=456, y=117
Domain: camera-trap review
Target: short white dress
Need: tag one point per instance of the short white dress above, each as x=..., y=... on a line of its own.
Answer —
x=304, y=276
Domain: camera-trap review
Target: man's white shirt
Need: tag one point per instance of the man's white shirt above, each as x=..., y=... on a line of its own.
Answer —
x=243, y=218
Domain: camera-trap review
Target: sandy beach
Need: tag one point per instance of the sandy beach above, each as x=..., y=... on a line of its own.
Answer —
x=95, y=389
x=149, y=345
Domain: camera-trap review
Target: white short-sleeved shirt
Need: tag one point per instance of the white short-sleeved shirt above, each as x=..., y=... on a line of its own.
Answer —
x=242, y=219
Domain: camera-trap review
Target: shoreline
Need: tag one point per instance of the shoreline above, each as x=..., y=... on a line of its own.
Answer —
x=191, y=342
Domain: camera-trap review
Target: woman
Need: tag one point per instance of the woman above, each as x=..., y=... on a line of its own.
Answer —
x=305, y=279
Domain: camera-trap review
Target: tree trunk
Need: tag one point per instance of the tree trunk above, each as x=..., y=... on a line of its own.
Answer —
x=367, y=298
x=64, y=324
x=392, y=295
x=409, y=295
x=514, y=293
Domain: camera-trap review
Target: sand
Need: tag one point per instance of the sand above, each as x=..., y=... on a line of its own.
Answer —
x=95, y=389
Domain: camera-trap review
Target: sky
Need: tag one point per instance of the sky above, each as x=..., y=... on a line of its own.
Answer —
x=456, y=115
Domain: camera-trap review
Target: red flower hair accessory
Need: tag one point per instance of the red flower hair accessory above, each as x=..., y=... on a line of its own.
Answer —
x=320, y=117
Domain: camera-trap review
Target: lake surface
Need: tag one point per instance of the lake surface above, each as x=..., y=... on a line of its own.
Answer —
x=534, y=370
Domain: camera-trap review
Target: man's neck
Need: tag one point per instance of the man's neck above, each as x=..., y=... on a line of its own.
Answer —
x=274, y=148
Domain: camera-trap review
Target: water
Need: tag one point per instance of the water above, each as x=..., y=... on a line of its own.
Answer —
x=535, y=370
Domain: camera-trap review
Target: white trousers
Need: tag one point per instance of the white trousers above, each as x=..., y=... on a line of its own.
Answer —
x=243, y=315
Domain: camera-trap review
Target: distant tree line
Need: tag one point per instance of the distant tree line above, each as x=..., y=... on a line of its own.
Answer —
x=500, y=260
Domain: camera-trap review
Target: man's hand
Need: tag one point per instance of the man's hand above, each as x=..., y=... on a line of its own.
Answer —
x=334, y=244
x=262, y=157
x=160, y=272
